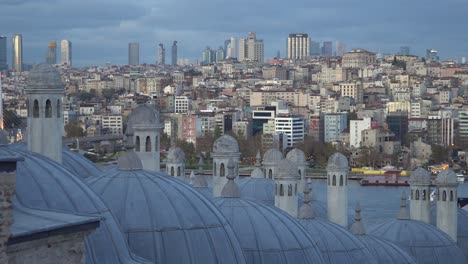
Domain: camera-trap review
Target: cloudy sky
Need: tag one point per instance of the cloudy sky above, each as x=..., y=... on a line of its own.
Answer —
x=101, y=29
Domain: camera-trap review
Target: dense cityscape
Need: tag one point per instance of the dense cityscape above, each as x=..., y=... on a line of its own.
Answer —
x=234, y=157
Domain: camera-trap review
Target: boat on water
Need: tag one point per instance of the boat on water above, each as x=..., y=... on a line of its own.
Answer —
x=385, y=180
x=460, y=177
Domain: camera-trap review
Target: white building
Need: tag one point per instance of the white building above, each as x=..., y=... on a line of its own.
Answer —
x=113, y=123
x=168, y=127
x=355, y=129
x=292, y=126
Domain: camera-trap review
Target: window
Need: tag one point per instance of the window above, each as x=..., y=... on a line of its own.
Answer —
x=451, y=196
x=444, y=196
x=137, y=144
x=424, y=195
x=156, y=140
x=417, y=194
x=172, y=171
x=289, y=190
x=270, y=174
x=334, y=180
x=281, y=190
x=341, y=180
x=214, y=168
x=59, y=108
x=148, y=144
x=221, y=170
x=178, y=170
x=48, y=109
x=36, y=109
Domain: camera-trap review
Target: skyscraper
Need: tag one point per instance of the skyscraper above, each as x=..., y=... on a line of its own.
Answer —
x=161, y=54
x=17, y=59
x=327, y=49
x=174, y=53
x=432, y=55
x=251, y=48
x=298, y=46
x=340, y=48
x=66, y=52
x=220, y=55
x=405, y=50
x=232, y=48
x=226, y=45
x=133, y=53
x=3, y=53
x=315, y=48
x=207, y=56
x=51, y=55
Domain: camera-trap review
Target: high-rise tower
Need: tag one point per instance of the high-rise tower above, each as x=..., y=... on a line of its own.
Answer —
x=161, y=54
x=174, y=53
x=66, y=52
x=133, y=53
x=51, y=54
x=17, y=59
x=3, y=53
x=298, y=46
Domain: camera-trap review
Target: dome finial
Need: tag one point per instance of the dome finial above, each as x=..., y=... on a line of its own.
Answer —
x=403, y=214
x=258, y=159
x=230, y=190
x=306, y=211
x=357, y=227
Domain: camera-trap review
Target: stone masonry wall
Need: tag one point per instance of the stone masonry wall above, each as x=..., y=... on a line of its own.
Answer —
x=7, y=190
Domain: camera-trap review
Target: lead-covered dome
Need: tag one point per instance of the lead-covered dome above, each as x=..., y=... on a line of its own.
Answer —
x=337, y=161
x=272, y=155
x=268, y=235
x=420, y=176
x=447, y=176
x=44, y=184
x=143, y=115
x=175, y=155
x=225, y=144
x=166, y=220
x=297, y=156
x=258, y=189
x=44, y=76
x=424, y=242
x=286, y=170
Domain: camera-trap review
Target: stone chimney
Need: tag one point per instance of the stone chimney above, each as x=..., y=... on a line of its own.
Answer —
x=7, y=191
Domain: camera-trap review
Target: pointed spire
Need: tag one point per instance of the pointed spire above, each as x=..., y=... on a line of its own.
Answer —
x=230, y=190
x=198, y=181
x=357, y=227
x=306, y=211
x=192, y=176
x=258, y=160
x=403, y=214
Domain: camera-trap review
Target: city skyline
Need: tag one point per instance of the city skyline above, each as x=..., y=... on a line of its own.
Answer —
x=332, y=20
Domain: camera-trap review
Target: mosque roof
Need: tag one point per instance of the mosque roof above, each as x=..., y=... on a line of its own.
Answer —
x=337, y=161
x=44, y=76
x=225, y=144
x=175, y=155
x=297, y=156
x=272, y=155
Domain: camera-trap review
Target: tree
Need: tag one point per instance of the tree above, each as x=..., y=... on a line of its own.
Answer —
x=165, y=141
x=217, y=132
x=439, y=154
x=74, y=130
x=108, y=94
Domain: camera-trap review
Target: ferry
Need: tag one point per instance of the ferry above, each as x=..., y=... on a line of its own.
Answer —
x=386, y=180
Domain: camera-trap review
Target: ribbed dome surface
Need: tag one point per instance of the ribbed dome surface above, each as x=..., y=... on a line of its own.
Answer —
x=267, y=234
x=225, y=144
x=385, y=251
x=258, y=189
x=420, y=176
x=44, y=76
x=424, y=242
x=145, y=115
x=337, y=244
x=272, y=155
x=166, y=220
x=447, y=176
x=297, y=156
x=337, y=161
x=44, y=184
x=79, y=165
x=175, y=155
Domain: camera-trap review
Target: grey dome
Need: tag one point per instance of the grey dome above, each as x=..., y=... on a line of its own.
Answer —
x=420, y=176
x=175, y=155
x=257, y=173
x=337, y=161
x=286, y=170
x=447, y=176
x=424, y=242
x=143, y=115
x=258, y=189
x=267, y=234
x=166, y=220
x=297, y=156
x=129, y=161
x=44, y=76
x=272, y=155
x=225, y=144
x=385, y=251
x=44, y=184
x=337, y=244
x=79, y=165
x=72, y=161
